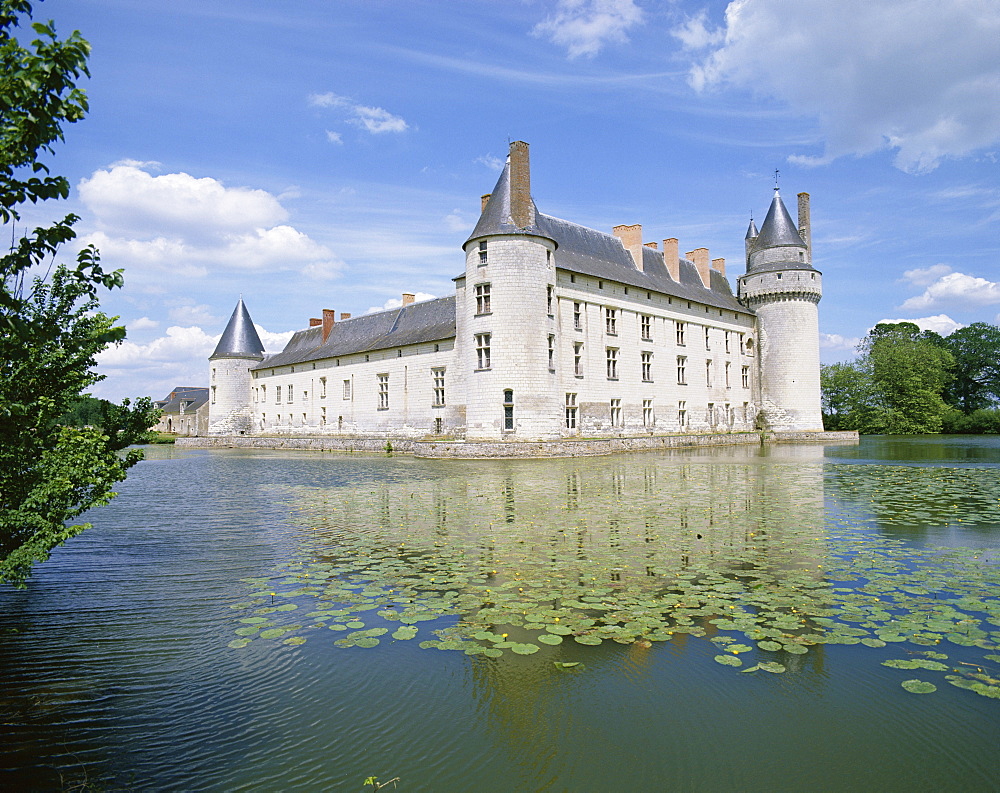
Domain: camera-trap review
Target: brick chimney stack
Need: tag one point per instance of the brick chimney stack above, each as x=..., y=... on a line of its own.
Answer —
x=805, y=226
x=702, y=261
x=520, y=185
x=631, y=237
x=720, y=265
x=329, y=318
x=485, y=200
x=408, y=298
x=671, y=258
x=314, y=322
x=344, y=315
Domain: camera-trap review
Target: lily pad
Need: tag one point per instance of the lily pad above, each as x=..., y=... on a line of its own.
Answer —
x=918, y=686
x=404, y=632
x=549, y=638
x=728, y=660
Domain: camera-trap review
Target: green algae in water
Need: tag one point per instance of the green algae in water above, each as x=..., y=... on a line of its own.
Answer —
x=783, y=577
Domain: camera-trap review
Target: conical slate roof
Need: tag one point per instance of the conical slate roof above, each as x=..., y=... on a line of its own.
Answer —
x=778, y=229
x=239, y=339
x=496, y=217
x=752, y=230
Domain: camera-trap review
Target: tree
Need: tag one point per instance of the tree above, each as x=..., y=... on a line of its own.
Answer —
x=976, y=349
x=51, y=328
x=847, y=394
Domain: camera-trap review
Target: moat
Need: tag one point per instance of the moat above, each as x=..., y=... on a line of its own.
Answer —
x=797, y=617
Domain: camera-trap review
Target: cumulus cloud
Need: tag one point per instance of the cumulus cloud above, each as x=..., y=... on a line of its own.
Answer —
x=142, y=323
x=940, y=323
x=491, y=161
x=191, y=226
x=926, y=275
x=918, y=76
x=457, y=220
x=954, y=289
x=376, y=120
x=583, y=27
x=395, y=302
x=834, y=341
x=188, y=313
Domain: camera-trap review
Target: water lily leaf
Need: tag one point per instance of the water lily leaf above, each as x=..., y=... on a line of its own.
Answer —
x=918, y=686
x=295, y=640
x=524, y=649
x=492, y=652
x=238, y=644
x=286, y=607
x=588, y=639
x=249, y=630
x=404, y=632
x=795, y=649
x=561, y=630
x=367, y=641
x=728, y=660
x=873, y=642
x=738, y=648
x=769, y=645
x=273, y=633
x=550, y=638
x=772, y=667
x=355, y=624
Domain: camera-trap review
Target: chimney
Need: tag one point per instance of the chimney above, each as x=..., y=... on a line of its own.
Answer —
x=485, y=199
x=329, y=317
x=344, y=315
x=408, y=298
x=720, y=265
x=701, y=260
x=520, y=185
x=631, y=237
x=314, y=321
x=652, y=245
x=805, y=228
x=671, y=258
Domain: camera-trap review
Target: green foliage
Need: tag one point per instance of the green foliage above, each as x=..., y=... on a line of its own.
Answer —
x=976, y=349
x=50, y=327
x=978, y=422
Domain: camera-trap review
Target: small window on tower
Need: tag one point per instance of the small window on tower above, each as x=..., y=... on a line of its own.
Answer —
x=483, y=256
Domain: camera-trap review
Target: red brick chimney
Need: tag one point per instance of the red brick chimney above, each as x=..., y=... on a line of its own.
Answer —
x=314, y=321
x=701, y=260
x=329, y=318
x=520, y=185
x=671, y=258
x=631, y=237
x=408, y=298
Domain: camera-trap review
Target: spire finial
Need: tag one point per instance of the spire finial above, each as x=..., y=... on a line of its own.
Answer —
x=776, y=172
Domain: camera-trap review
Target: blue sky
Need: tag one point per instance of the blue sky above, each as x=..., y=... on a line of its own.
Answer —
x=331, y=153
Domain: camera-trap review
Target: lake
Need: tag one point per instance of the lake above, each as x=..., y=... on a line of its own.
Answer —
x=744, y=619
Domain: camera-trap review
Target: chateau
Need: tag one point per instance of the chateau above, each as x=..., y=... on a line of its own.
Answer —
x=555, y=331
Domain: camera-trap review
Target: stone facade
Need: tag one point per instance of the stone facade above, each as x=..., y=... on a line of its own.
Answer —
x=555, y=333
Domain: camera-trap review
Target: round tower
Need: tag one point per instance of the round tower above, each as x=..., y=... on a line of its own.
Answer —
x=505, y=315
x=230, y=383
x=783, y=289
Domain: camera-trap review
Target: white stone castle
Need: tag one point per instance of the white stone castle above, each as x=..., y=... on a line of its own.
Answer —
x=555, y=331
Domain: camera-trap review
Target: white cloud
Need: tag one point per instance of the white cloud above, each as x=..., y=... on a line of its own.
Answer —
x=927, y=275
x=955, y=289
x=180, y=344
x=941, y=323
x=491, y=161
x=142, y=323
x=190, y=226
x=695, y=35
x=187, y=313
x=376, y=120
x=583, y=27
x=457, y=221
x=918, y=76
x=395, y=302
x=834, y=341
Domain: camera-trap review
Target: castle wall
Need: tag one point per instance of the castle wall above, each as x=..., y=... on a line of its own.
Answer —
x=229, y=395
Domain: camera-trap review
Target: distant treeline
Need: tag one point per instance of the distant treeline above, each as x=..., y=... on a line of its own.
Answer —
x=907, y=382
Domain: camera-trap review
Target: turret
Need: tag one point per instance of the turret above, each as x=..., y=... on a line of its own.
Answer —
x=509, y=283
x=230, y=381
x=783, y=289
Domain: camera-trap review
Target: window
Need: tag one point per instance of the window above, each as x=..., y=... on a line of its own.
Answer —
x=322, y=388
x=483, y=350
x=727, y=340
x=277, y=394
x=578, y=359
x=577, y=317
x=749, y=346
x=645, y=327
x=743, y=345
x=708, y=343
x=571, y=411
x=263, y=393
x=438, y=375
x=647, y=367
x=616, y=413
x=728, y=367
x=213, y=390
x=549, y=294
x=508, y=409
x=290, y=392
x=213, y=374
x=682, y=370
x=708, y=373
x=383, y=392
x=611, y=321
x=612, y=363
x=482, y=252
x=711, y=414
x=679, y=327
x=552, y=353
x=483, y=299
x=745, y=376
x=347, y=389
x=322, y=416
x=399, y=353
x=648, y=419
x=682, y=414
x=438, y=426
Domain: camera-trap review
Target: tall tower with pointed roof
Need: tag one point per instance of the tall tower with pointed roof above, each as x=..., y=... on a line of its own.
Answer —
x=505, y=315
x=230, y=409
x=782, y=287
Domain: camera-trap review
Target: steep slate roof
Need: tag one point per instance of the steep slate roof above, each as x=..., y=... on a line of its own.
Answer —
x=601, y=255
x=239, y=339
x=417, y=323
x=195, y=397
x=779, y=229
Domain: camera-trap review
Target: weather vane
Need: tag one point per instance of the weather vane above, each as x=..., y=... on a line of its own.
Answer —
x=776, y=172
